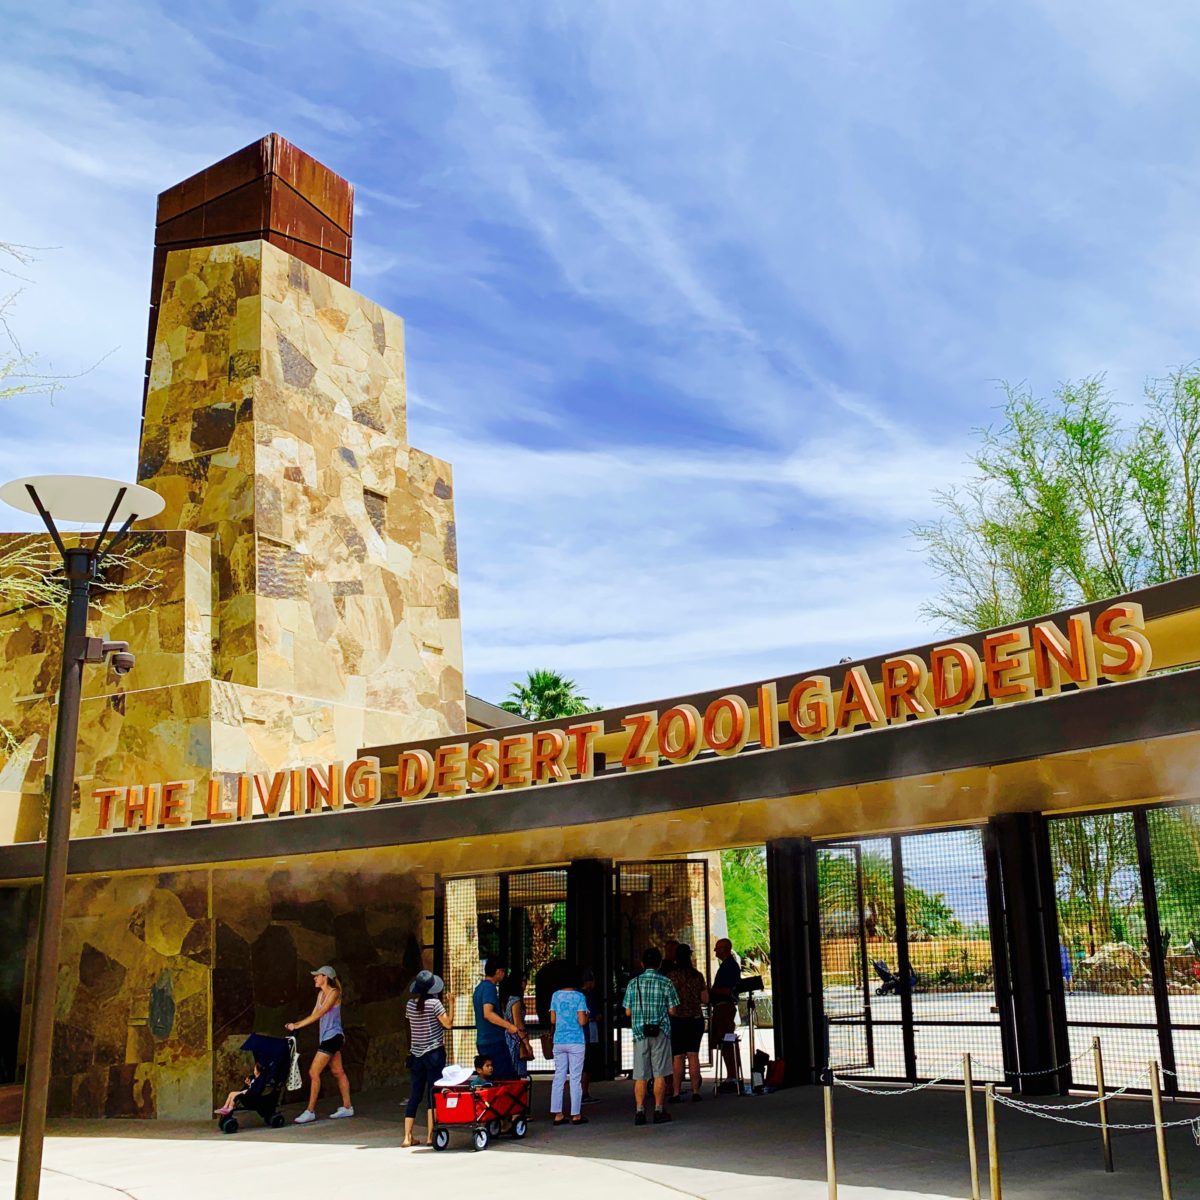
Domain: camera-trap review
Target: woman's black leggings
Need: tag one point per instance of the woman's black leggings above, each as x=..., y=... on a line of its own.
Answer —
x=425, y=1071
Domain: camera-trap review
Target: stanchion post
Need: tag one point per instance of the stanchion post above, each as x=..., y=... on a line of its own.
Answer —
x=830, y=1155
x=1160, y=1134
x=989, y=1094
x=972, y=1149
x=1105, y=1132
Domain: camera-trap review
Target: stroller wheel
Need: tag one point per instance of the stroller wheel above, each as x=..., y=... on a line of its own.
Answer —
x=480, y=1139
x=228, y=1125
x=520, y=1127
x=441, y=1139
x=276, y=1120
x=493, y=1127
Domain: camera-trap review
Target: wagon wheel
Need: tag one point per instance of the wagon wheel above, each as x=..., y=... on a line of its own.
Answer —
x=493, y=1127
x=441, y=1139
x=520, y=1127
x=480, y=1139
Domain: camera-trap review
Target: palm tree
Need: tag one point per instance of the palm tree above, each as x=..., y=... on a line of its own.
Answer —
x=545, y=695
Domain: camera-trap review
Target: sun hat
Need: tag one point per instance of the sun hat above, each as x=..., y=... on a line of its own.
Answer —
x=454, y=1077
x=327, y=971
x=426, y=983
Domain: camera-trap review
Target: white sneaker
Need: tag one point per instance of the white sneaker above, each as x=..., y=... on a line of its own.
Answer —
x=304, y=1118
x=341, y=1112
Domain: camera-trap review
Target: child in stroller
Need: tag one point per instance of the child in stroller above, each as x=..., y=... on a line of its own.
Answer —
x=238, y=1093
x=273, y=1062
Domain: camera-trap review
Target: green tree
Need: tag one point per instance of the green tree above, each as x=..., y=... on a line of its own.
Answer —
x=545, y=695
x=1069, y=505
x=744, y=876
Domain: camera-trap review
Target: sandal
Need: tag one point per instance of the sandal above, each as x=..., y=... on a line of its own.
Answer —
x=580, y=1120
x=559, y=1120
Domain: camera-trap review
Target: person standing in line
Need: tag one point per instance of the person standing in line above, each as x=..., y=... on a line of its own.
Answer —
x=428, y=1021
x=724, y=1010
x=569, y=1018
x=327, y=1013
x=490, y=1025
x=670, y=949
x=687, y=1027
x=593, y=1053
x=512, y=999
x=650, y=1002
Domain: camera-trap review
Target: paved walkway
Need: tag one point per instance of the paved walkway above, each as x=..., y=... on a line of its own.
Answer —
x=757, y=1148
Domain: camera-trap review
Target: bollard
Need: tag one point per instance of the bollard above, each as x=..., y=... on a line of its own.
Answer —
x=830, y=1156
x=989, y=1094
x=972, y=1151
x=1160, y=1136
x=1105, y=1132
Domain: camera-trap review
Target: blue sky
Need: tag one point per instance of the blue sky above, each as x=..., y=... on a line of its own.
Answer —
x=702, y=299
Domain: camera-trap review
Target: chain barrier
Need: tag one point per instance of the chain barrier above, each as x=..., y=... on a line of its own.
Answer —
x=1032, y=1074
x=1049, y=1113
x=898, y=1090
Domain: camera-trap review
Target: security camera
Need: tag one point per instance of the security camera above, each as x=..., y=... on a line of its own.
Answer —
x=122, y=662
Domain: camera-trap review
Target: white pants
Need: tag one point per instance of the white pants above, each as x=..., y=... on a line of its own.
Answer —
x=568, y=1064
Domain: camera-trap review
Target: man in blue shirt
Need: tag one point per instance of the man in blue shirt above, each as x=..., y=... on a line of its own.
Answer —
x=490, y=1025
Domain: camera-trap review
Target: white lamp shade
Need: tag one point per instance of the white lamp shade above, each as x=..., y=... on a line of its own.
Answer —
x=84, y=498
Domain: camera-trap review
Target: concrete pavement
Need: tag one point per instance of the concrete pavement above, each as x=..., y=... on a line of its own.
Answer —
x=757, y=1148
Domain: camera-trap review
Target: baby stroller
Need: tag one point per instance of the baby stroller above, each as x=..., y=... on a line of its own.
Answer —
x=265, y=1094
x=481, y=1111
x=891, y=983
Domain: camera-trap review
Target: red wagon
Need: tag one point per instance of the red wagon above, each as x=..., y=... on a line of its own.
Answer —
x=481, y=1111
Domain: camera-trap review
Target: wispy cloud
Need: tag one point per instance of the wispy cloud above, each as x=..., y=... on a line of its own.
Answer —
x=702, y=300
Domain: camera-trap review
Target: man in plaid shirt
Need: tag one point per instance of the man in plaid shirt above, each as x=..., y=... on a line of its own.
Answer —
x=650, y=1001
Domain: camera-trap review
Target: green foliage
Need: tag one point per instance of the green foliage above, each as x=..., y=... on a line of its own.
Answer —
x=928, y=914
x=744, y=875
x=1068, y=505
x=546, y=695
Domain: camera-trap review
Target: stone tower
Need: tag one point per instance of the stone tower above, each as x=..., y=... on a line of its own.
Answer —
x=305, y=597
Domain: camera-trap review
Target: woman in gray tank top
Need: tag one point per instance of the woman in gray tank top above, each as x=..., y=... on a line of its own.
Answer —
x=327, y=1013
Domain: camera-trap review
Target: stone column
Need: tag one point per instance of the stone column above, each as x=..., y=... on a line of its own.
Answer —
x=796, y=958
x=589, y=939
x=1025, y=949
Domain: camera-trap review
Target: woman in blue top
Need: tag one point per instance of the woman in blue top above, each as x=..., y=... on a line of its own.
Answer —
x=327, y=1012
x=569, y=1018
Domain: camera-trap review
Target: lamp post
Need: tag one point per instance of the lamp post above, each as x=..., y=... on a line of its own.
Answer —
x=91, y=501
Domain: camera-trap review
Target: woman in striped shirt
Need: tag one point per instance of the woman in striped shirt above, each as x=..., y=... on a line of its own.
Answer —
x=428, y=1021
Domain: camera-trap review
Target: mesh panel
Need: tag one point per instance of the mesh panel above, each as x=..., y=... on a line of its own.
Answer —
x=952, y=980
x=520, y=916
x=659, y=902
x=1174, y=836
x=1102, y=944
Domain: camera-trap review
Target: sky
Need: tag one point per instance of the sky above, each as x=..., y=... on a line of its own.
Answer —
x=703, y=301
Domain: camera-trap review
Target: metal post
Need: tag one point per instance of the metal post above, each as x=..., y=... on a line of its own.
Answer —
x=830, y=1156
x=1160, y=1136
x=80, y=568
x=1105, y=1132
x=972, y=1149
x=989, y=1093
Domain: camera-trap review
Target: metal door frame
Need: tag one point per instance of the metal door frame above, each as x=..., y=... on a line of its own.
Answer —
x=1163, y=1026
x=907, y=1022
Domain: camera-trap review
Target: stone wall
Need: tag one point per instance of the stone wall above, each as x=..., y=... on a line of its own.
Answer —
x=274, y=927
x=163, y=976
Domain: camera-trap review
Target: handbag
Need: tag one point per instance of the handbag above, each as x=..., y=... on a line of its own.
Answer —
x=650, y=1029
x=524, y=1050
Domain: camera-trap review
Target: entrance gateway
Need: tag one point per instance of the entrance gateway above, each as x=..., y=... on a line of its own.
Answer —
x=989, y=843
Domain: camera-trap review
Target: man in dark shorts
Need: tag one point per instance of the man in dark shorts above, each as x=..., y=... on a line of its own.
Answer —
x=724, y=1009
